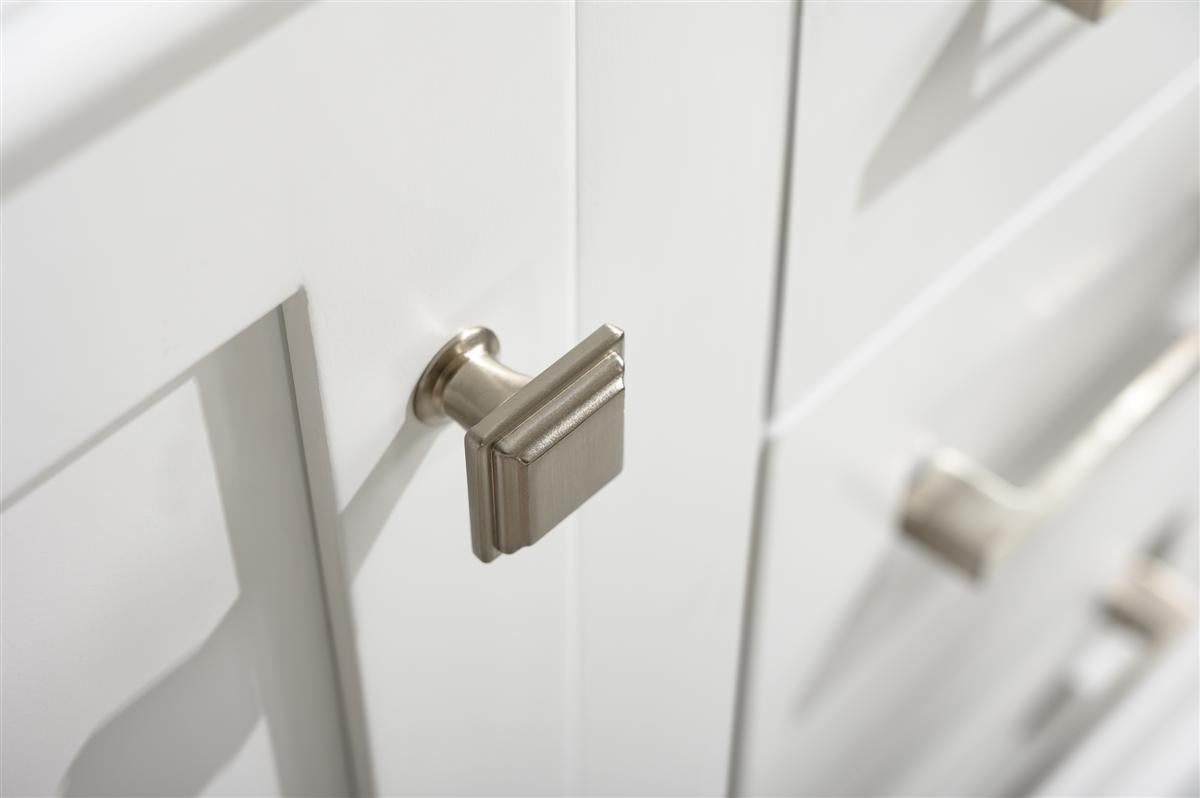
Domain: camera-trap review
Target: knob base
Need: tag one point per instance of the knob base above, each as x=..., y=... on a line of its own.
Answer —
x=429, y=397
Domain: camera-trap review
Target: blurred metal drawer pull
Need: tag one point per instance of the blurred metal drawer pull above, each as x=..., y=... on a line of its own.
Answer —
x=973, y=517
x=536, y=448
x=1153, y=599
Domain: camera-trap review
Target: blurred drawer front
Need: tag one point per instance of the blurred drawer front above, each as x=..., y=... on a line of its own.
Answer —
x=923, y=128
x=876, y=668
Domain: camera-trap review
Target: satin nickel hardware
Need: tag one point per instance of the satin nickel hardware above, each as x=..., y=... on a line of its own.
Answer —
x=1149, y=608
x=973, y=517
x=1153, y=599
x=537, y=448
x=1091, y=10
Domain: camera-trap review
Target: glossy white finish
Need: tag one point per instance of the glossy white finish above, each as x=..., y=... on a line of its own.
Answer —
x=872, y=668
x=682, y=121
x=357, y=200
x=164, y=630
x=906, y=159
x=409, y=166
x=392, y=172
x=112, y=45
x=125, y=259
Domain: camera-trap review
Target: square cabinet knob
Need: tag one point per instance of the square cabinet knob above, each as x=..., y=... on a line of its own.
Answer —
x=536, y=449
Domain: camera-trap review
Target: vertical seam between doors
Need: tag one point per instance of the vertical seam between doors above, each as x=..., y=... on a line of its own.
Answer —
x=774, y=344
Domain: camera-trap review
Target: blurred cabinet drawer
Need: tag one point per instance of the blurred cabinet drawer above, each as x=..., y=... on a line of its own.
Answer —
x=923, y=128
x=874, y=667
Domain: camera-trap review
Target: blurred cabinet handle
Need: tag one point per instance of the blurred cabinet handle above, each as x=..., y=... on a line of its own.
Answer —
x=1154, y=600
x=1149, y=608
x=1091, y=10
x=972, y=517
x=536, y=448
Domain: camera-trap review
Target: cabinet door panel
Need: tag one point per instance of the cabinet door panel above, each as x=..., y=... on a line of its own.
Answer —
x=164, y=628
x=408, y=166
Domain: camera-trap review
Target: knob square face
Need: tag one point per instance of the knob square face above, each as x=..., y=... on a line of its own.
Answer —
x=549, y=447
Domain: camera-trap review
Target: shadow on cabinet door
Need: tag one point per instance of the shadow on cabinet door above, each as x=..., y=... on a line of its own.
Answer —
x=157, y=78
x=946, y=98
x=269, y=659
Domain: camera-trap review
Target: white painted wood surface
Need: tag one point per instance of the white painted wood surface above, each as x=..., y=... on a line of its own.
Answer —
x=682, y=123
x=391, y=172
x=410, y=166
x=874, y=669
x=417, y=180
x=921, y=127
x=164, y=628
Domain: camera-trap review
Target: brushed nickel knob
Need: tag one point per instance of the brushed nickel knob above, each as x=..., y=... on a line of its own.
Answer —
x=536, y=448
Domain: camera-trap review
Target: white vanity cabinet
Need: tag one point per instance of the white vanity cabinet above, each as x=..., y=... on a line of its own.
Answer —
x=836, y=236
x=307, y=200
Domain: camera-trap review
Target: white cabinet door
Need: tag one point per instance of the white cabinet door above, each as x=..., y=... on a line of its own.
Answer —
x=378, y=176
x=163, y=623
x=408, y=167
